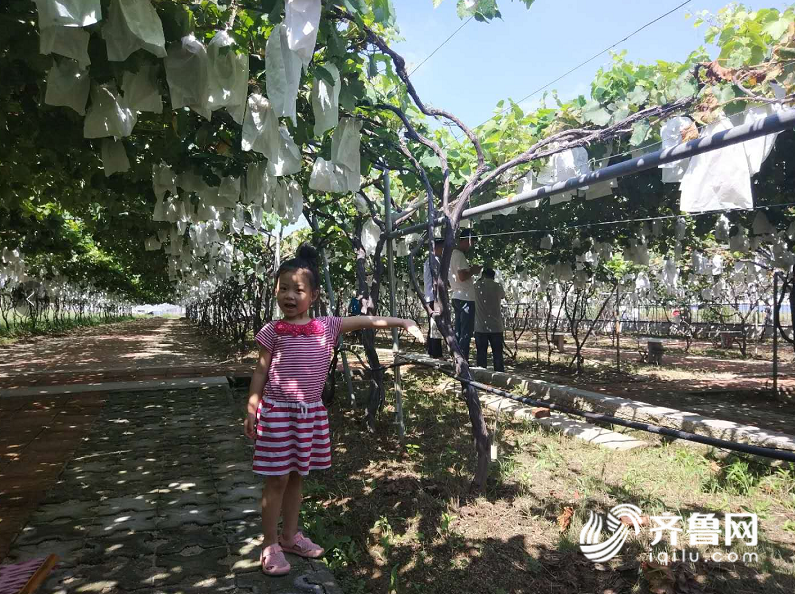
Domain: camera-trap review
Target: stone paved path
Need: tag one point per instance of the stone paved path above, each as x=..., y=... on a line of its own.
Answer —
x=37, y=437
x=159, y=497
x=135, y=491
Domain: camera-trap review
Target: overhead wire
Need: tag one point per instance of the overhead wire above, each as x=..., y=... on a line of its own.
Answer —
x=429, y=56
x=589, y=60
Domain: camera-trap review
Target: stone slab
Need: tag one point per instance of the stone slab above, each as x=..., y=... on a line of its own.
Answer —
x=202, y=383
x=566, y=425
x=555, y=421
x=625, y=408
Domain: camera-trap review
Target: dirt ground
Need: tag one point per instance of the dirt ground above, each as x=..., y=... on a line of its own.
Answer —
x=139, y=343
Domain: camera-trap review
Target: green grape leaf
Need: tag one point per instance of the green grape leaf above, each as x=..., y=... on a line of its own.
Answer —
x=640, y=131
x=384, y=12
x=595, y=113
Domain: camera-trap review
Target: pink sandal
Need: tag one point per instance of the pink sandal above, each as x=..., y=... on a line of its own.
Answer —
x=273, y=561
x=302, y=546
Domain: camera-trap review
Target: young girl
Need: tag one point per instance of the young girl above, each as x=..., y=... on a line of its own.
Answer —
x=285, y=412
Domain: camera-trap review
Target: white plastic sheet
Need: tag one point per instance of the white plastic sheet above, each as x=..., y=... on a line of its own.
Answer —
x=238, y=219
x=670, y=275
x=563, y=271
x=371, y=232
x=642, y=282
x=301, y=19
x=71, y=42
x=69, y=13
x=547, y=242
x=722, y=228
x=295, y=201
x=759, y=149
x=345, y=147
x=329, y=177
x=671, y=134
x=280, y=199
x=782, y=256
x=133, y=25
x=261, y=128
x=600, y=189
x=229, y=192
x=761, y=226
x=527, y=184
x=717, y=180
x=259, y=184
x=114, y=157
x=108, y=114
x=288, y=160
x=604, y=250
x=68, y=85
x=717, y=265
x=163, y=180
x=159, y=214
x=256, y=217
x=227, y=76
x=361, y=204
x=562, y=166
x=140, y=89
x=325, y=100
x=186, y=73
x=680, y=228
x=191, y=182
x=640, y=255
x=739, y=241
x=284, y=73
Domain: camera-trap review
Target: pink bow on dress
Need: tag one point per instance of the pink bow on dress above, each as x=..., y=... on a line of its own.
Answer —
x=313, y=328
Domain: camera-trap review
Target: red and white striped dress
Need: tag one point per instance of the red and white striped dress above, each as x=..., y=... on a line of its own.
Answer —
x=292, y=422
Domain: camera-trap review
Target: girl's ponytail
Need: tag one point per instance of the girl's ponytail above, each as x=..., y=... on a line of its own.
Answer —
x=306, y=258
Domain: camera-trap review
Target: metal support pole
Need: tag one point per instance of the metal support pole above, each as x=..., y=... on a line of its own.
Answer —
x=538, y=335
x=390, y=255
x=332, y=304
x=618, y=327
x=775, y=333
x=778, y=122
x=277, y=263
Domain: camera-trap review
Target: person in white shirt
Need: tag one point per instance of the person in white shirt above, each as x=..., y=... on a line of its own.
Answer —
x=462, y=291
x=488, y=319
x=434, y=337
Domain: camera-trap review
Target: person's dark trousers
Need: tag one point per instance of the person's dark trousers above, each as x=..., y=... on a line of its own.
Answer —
x=464, y=324
x=482, y=340
x=434, y=344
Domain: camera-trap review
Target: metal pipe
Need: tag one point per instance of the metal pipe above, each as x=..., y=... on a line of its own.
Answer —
x=618, y=326
x=390, y=257
x=788, y=455
x=778, y=122
x=775, y=333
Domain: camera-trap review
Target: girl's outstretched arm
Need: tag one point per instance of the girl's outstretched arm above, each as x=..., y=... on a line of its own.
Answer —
x=354, y=323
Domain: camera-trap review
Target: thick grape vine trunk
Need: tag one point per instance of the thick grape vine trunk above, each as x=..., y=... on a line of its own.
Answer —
x=443, y=322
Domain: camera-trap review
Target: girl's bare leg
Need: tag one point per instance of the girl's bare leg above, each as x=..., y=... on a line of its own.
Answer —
x=291, y=506
x=273, y=491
